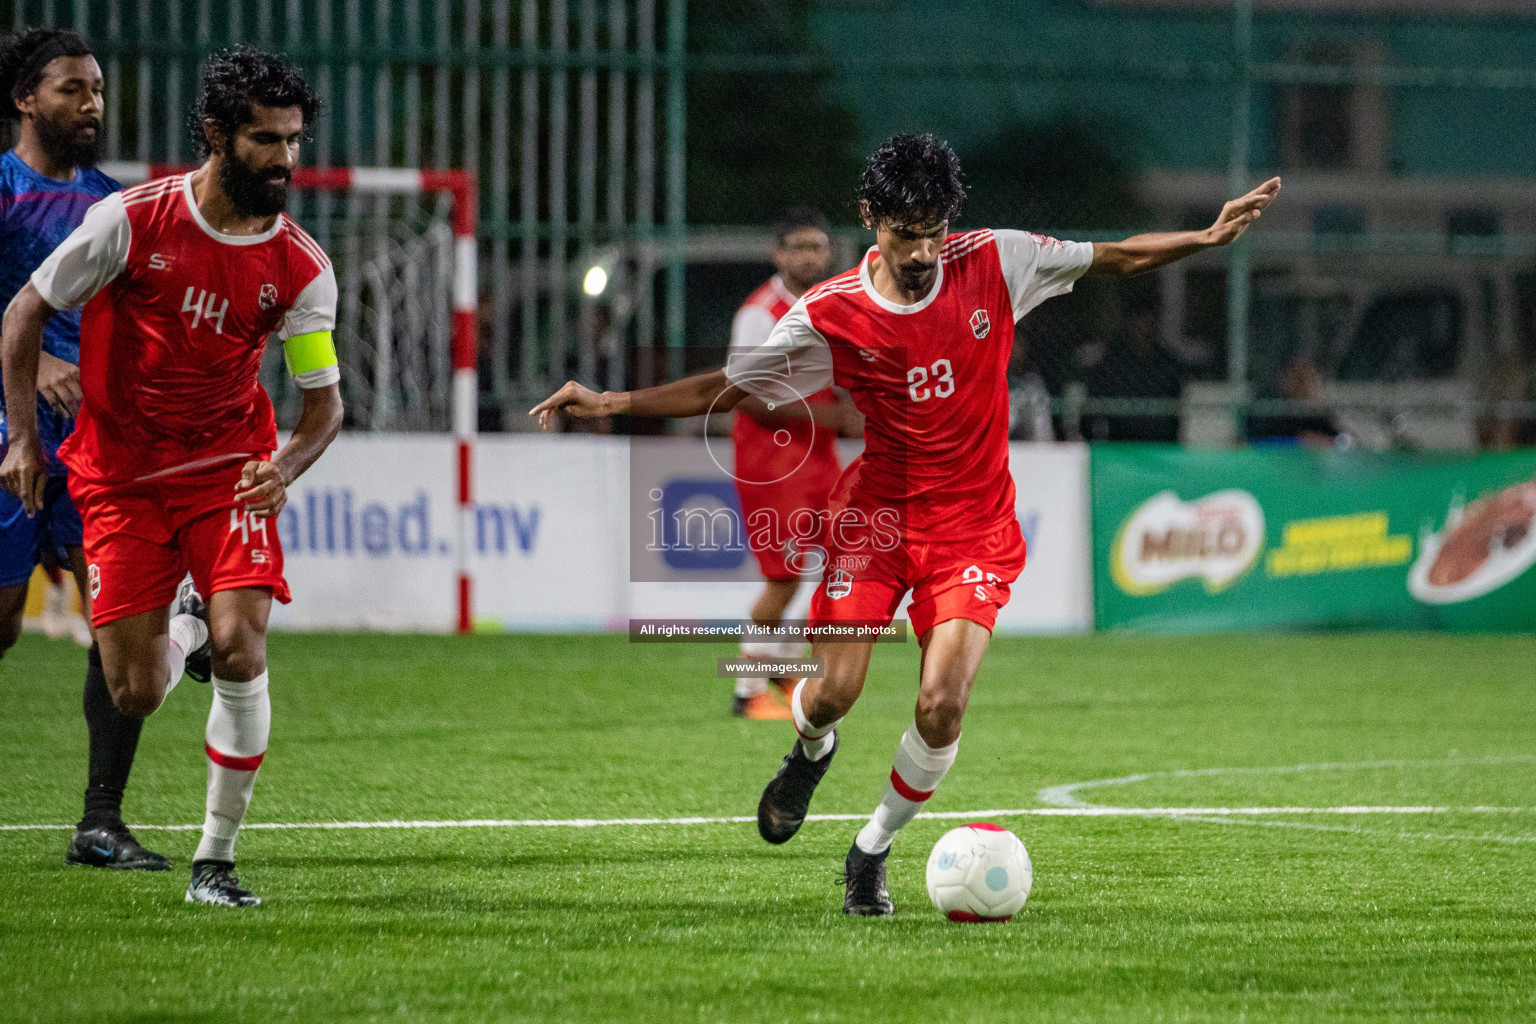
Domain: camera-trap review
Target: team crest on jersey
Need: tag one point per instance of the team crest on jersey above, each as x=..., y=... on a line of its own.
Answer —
x=839, y=584
x=981, y=324
x=268, y=296
x=93, y=578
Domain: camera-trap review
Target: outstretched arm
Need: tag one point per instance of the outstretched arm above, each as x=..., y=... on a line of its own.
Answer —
x=1141, y=253
x=691, y=396
x=23, y=472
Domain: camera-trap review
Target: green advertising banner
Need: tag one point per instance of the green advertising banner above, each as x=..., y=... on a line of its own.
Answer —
x=1190, y=540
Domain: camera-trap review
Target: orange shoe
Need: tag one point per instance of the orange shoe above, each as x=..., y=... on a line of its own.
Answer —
x=787, y=686
x=763, y=707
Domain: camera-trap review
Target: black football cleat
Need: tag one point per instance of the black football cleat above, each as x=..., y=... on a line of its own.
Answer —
x=189, y=602
x=112, y=847
x=787, y=797
x=864, y=877
x=214, y=883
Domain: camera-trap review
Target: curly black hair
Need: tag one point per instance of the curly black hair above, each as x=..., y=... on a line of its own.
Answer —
x=797, y=217
x=23, y=57
x=913, y=179
x=236, y=80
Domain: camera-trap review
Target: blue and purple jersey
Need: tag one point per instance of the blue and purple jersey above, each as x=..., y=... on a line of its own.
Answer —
x=36, y=214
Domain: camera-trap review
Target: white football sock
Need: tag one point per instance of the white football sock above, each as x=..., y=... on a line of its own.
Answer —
x=751, y=686
x=815, y=740
x=916, y=773
x=236, y=740
x=187, y=634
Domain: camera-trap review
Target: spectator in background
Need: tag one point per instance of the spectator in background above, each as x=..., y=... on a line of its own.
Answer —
x=1136, y=365
x=1300, y=381
x=1501, y=431
x=1029, y=398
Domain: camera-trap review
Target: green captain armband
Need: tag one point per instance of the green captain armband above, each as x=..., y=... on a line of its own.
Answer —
x=312, y=359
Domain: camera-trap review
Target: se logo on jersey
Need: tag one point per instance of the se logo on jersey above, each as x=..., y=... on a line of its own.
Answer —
x=981, y=324
x=839, y=584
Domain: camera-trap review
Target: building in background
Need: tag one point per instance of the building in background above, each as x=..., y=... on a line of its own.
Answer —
x=651, y=139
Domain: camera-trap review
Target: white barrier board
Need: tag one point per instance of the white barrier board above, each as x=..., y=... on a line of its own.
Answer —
x=368, y=539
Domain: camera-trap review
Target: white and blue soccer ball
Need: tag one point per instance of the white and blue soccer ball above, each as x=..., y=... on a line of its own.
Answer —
x=979, y=872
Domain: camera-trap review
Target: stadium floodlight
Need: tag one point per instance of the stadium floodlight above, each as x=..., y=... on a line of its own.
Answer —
x=596, y=280
x=460, y=186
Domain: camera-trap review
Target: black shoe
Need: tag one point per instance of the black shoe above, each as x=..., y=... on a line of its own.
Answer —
x=864, y=876
x=189, y=602
x=114, y=847
x=787, y=797
x=214, y=883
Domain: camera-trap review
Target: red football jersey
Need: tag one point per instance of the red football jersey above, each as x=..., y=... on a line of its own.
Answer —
x=930, y=378
x=175, y=322
x=776, y=450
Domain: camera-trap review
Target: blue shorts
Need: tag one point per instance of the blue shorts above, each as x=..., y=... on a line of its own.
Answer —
x=23, y=541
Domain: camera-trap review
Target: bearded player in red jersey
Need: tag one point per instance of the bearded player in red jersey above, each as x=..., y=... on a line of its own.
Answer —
x=786, y=457
x=920, y=335
x=171, y=462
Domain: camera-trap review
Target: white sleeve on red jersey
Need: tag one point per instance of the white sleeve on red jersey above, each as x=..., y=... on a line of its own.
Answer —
x=315, y=307
x=1038, y=268
x=314, y=310
x=793, y=363
x=751, y=328
x=88, y=260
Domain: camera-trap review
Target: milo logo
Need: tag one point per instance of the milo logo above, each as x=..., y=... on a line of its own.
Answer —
x=1216, y=538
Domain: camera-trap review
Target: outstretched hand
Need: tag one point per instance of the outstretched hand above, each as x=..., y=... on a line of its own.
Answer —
x=1240, y=213
x=573, y=400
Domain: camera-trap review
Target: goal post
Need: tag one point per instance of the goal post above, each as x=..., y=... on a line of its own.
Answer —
x=386, y=182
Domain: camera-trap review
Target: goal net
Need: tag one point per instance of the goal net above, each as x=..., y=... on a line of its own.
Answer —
x=394, y=317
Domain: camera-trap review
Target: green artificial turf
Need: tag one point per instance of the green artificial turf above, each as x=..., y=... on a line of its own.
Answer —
x=1428, y=917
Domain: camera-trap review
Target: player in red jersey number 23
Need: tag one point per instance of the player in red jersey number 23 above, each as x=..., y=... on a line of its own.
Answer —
x=919, y=334
x=171, y=461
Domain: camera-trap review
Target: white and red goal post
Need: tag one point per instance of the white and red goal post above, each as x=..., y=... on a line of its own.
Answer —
x=391, y=181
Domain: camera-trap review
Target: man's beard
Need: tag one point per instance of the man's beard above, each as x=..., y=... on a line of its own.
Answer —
x=254, y=194
x=66, y=144
x=918, y=277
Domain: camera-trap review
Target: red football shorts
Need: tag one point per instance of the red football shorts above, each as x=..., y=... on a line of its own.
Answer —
x=787, y=517
x=142, y=538
x=957, y=580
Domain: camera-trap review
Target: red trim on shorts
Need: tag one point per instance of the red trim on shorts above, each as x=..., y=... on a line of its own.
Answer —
x=905, y=791
x=239, y=764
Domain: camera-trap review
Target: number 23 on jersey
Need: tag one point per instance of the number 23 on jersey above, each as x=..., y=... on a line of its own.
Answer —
x=942, y=376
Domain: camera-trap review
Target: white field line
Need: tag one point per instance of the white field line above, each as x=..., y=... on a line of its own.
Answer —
x=1066, y=795
x=1355, y=830
x=1038, y=812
